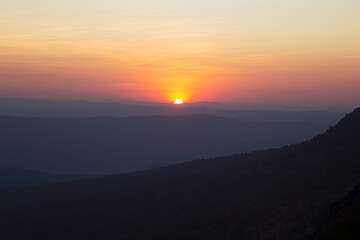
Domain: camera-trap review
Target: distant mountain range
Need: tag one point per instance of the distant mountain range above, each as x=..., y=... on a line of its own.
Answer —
x=60, y=109
x=104, y=145
x=274, y=194
x=10, y=177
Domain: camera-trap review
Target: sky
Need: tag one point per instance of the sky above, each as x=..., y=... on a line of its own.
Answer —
x=300, y=52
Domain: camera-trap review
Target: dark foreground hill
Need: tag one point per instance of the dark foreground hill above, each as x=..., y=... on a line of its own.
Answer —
x=113, y=145
x=342, y=219
x=10, y=177
x=273, y=194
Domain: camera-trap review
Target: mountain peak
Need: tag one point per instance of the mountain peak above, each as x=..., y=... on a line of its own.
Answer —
x=349, y=125
x=344, y=136
x=352, y=119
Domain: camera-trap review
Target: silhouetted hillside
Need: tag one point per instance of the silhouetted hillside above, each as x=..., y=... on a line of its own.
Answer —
x=114, y=145
x=273, y=194
x=342, y=219
x=24, y=177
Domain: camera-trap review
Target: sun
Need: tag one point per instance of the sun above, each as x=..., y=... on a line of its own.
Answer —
x=178, y=101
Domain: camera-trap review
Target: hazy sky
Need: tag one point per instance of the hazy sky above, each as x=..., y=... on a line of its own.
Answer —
x=250, y=52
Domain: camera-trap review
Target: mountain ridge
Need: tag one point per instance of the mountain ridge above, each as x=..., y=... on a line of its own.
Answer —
x=10, y=177
x=58, y=109
x=103, y=145
x=269, y=194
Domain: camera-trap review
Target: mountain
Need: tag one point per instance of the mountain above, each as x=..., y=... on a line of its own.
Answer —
x=342, y=219
x=105, y=145
x=71, y=109
x=10, y=177
x=273, y=194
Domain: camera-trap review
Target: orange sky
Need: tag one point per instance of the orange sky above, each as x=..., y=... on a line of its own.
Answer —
x=283, y=52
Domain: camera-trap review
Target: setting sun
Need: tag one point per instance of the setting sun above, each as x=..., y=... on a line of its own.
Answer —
x=178, y=101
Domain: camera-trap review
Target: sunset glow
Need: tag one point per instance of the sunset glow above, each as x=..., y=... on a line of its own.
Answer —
x=245, y=52
x=178, y=102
